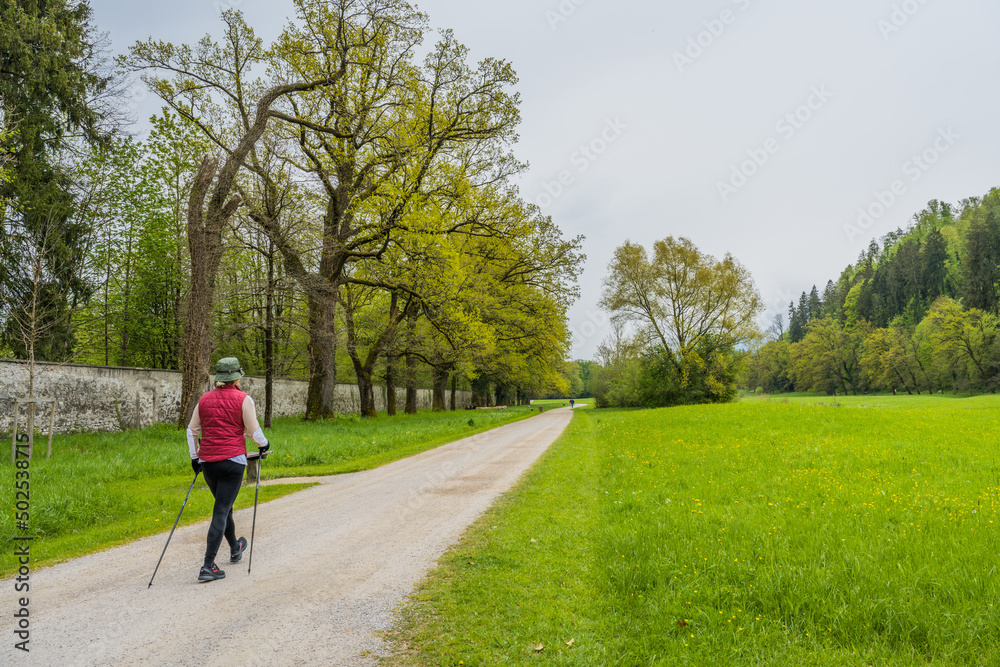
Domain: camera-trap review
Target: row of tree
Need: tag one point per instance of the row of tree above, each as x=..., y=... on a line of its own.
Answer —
x=330, y=205
x=918, y=312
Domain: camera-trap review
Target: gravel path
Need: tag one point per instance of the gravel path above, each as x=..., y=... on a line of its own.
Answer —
x=331, y=564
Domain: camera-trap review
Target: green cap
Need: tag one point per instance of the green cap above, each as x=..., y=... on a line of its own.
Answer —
x=228, y=369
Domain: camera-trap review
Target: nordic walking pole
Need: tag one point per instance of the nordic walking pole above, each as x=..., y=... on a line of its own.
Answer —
x=254, y=524
x=173, y=529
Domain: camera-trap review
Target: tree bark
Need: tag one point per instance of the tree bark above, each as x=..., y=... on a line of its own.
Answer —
x=365, y=371
x=390, y=385
x=411, y=385
x=366, y=388
x=205, y=244
x=440, y=382
x=454, y=389
x=322, y=361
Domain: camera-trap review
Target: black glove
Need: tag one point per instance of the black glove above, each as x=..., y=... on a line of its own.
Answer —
x=196, y=466
x=264, y=449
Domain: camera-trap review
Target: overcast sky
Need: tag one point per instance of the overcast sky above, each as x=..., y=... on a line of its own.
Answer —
x=761, y=128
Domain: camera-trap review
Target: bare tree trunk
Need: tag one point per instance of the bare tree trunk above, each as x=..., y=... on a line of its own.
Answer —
x=390, y=385
x=366, y=389
x=322, y=361
x=440, y=382
x=205, y=243
x=454, y=389
x=107, y=316
x=411, y=385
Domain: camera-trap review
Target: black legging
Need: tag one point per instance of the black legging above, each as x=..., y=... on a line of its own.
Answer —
x=224, y=479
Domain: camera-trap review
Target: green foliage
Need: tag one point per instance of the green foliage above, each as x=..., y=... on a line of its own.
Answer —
x=586, y=367
x=692, y=312
x=619, y=385
x=614, y=378
x=680, y=295
x=47, y=71
x=758, y=533
x=966, y=342
x=917, y=312
x=770, y=368
x=707, y=374
x=828, y=358
x=48, y=83
x=129, y=320
x=572, y=380
x=406, y=218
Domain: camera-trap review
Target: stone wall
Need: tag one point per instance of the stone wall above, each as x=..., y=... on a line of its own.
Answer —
x=110, y=398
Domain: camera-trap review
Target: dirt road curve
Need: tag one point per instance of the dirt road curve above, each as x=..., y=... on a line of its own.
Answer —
x=331, y=563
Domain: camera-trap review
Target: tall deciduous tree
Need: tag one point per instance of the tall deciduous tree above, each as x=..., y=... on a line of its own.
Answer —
x=966, y=340
x=828, y=358
x=390, y=136
x=888, y=363
x=770, y=368
x=680, y=295
x=202, y=79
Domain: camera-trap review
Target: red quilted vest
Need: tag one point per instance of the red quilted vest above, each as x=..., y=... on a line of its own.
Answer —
x=222, y=429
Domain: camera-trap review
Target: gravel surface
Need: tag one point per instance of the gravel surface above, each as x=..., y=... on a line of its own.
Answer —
x=331, y=564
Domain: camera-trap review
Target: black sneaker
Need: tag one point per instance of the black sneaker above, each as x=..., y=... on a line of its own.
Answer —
x=241, y=545
x=211, y=573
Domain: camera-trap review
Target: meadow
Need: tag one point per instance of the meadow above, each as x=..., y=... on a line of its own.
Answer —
x=845, y=531
x=103, y=489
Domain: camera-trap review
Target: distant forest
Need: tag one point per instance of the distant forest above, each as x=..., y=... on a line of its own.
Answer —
x=919, y=311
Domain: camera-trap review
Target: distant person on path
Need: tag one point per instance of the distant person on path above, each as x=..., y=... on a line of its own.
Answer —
x=220, y=423
x=571, y=402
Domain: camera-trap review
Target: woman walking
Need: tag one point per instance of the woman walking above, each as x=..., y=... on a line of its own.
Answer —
x=217, y=443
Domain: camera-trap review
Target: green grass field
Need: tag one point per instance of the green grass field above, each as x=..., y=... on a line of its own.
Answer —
x=103, y=489
x=806, y=531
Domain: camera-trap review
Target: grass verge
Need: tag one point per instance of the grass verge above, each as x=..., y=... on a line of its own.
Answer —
x=103, y=489
x=759, y=533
